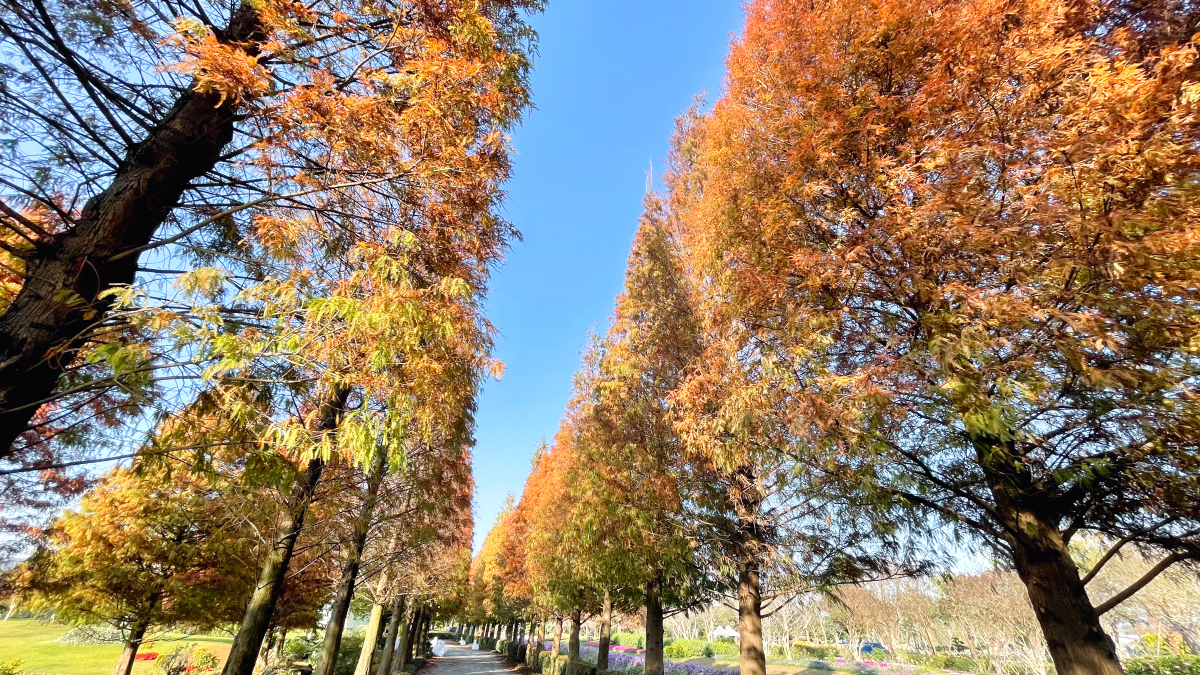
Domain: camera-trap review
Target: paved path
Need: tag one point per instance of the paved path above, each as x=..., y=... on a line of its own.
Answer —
x=461, y=660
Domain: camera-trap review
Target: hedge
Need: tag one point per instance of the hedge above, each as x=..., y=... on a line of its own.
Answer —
x=628, y=640
x=1163, y=665
x=687, y=649
x=724, y=647
x=580, y=668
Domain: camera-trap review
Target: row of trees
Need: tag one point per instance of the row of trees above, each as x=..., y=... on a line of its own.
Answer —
x=167, y=547
x=246, y=244
x=924, y=277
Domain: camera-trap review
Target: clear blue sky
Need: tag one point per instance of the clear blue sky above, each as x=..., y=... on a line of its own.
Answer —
x=609, y=81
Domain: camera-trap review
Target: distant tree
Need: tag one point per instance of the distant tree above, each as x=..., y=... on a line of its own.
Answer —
x=160, y=549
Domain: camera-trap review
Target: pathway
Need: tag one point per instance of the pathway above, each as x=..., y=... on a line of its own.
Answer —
x=461, y=660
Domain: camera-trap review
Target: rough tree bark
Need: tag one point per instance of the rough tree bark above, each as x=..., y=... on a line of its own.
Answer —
x=573, y=642
x=136, y=633
x=1074, y=636
x=410, y=630
x=1070, y=623
x=389, y=644
x=59, y=301
x=753, y=658
x=354, y=552
x=605, y=633
x=558, y=622
x=257, y=619
x=363, y=666
x=654, y=627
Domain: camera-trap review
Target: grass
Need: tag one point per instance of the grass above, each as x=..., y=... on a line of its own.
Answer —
x=34, y=643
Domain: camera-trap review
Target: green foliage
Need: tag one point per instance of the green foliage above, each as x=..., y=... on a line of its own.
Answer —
x=687, y=649
x=347, y=659
x=580, y=668
x=629, y=640
x=300, y=648
x=724, y=647
x=12, y=667
x=817, y=652
x=549, y=664
x=187, y=658
x=940, y=661
x=1164, y=665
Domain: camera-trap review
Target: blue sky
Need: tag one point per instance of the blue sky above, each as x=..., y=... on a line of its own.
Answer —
x=609, y=80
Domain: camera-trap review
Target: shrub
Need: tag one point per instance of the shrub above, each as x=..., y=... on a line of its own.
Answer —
x=12, y=667
x=186, y=658
x=727, y=647
x=580, y=668
x=628, y=640
x=817, y=652
x=1163, y=665
x=544, y=664
x=299, y=648
x=352, y=644
x=687, y=649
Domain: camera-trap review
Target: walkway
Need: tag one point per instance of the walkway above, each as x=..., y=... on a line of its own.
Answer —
x=461, y=660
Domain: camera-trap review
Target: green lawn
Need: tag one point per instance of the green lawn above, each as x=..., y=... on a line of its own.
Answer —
x=33, y=643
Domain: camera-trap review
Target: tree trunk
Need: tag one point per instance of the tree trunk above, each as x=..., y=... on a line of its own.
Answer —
x=753, y=659
x=541, y=639
x=573, y=642
x=405, y=644
x=369, y=639
x=59, y=304
x=136, y=633
x=279, y=647
x=1074, y=637
x=422, y=638
x=654, y=627
x=406, y=641
x=260, y=609
x=1076, y=640
x=389, y=644
x=345, y=591
x=13, y=603
x=605, y=633
x=558, y=622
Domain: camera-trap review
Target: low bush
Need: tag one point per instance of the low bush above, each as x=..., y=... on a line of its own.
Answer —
x=941, y=661
x=580, y=668
x=352, y=645
x=1163, y=665
x=12, y=667
x=687, y=649
x=816, y=652
x=628, y=640
x=186, y=659
x=726, y=647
